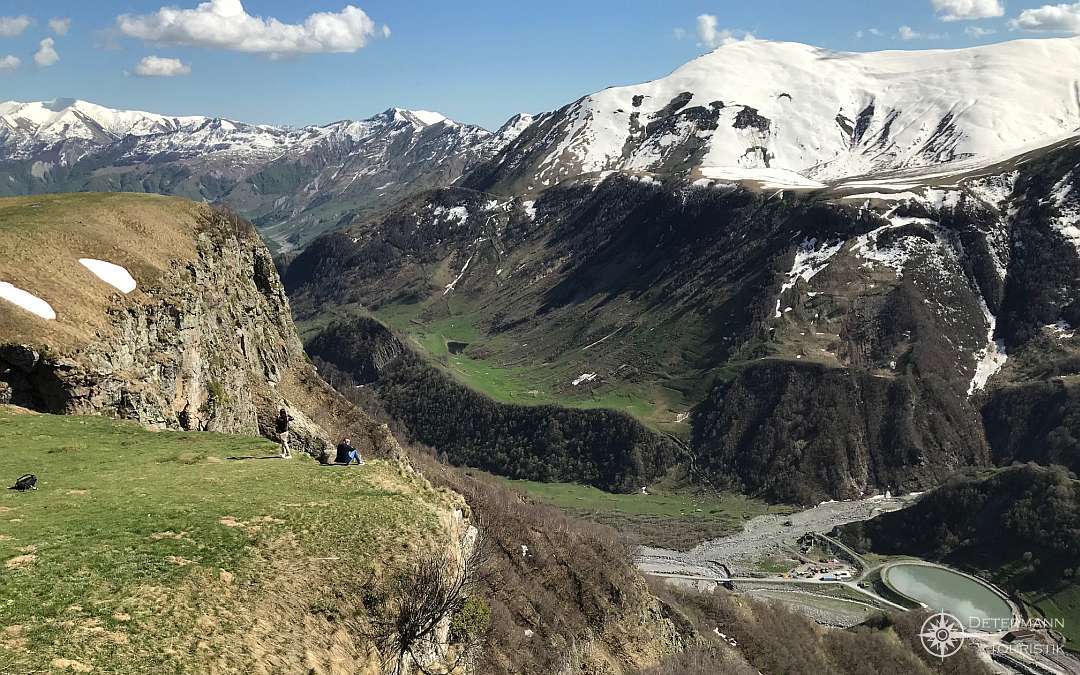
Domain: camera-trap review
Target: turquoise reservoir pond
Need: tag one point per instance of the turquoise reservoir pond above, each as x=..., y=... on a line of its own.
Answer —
x=975, y=604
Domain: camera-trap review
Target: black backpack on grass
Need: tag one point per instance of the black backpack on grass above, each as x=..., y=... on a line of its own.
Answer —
x=27, y=482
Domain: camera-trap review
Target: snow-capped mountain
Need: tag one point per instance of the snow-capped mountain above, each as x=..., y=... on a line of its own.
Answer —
x=24, y=126
x=295, y=182
x=758, y=105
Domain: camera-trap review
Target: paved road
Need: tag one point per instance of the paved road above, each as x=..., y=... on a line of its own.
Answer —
x=792, y=583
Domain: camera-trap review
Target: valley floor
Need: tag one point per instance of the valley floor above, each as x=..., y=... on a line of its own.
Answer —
x=503, y=370
x=666, y=518
x=758, y=563
x=763, y=538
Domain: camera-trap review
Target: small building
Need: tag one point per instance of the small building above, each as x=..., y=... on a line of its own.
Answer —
x=1018, y=634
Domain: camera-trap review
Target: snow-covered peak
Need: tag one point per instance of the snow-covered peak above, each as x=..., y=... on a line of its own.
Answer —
x=427, y=117
x=820, y=113
x=513, y=127
x=71, y=118
x=419, y=118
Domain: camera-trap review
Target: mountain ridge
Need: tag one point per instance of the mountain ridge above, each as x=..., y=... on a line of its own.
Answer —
x=757, y=105
x=293, y=182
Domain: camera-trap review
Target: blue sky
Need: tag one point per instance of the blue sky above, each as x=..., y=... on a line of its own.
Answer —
x=476, y=61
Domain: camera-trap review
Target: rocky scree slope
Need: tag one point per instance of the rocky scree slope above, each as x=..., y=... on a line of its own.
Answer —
x=294, y=183
x=204, y=340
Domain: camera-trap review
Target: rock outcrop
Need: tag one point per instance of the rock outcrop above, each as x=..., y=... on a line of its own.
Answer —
x=206, y=345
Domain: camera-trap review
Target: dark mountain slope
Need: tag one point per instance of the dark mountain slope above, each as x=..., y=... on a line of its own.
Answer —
x=674, y=287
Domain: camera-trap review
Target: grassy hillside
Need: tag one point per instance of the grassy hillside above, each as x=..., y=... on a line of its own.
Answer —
x=502, y=368
x=158, y=552
x=44, y=236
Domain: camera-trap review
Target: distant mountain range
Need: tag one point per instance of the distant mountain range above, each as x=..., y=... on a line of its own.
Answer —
x=783, y=114
x=293, y=182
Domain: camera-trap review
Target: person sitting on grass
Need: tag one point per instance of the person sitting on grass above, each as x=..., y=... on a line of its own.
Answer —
x=347, y=454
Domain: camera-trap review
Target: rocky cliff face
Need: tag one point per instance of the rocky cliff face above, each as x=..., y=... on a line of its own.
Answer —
x=208, y=340
x=206, y=344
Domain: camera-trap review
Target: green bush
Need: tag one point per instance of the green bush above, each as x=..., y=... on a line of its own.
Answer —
x=470, y=620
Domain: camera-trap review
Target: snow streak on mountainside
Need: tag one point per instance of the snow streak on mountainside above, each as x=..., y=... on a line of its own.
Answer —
x=823, y=114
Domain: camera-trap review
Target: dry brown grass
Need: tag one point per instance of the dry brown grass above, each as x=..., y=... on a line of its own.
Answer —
x=42, y=237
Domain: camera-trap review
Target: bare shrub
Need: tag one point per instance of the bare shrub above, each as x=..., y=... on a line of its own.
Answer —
x=406, y=616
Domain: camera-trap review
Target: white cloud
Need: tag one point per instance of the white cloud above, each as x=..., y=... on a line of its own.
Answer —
x=966, y=10
x=46, y=54
x=224, y=24
x=679, y=33
x=9, y=63
x=60, y=26
x=908, y=33
x=977, y=32
x=869, y=31
x=12, y=26
x=1054, y=18
x=157, y=66
x=709, y=35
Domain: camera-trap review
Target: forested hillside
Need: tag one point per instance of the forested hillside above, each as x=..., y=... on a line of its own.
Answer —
x=604, y=448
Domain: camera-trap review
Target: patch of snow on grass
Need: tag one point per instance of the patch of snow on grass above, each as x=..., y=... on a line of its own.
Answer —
x=584, y=377
x=896, y=255
x=27, y=301
x=530, y=209
x=941, y=199
x=994, y=190
x=1068, y=223
x=1062, y=329
x=459, y=213
x=114, y=275
x=884, y=196
x=991, y=358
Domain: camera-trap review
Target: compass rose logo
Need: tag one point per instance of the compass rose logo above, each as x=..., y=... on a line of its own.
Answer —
x=942, y=635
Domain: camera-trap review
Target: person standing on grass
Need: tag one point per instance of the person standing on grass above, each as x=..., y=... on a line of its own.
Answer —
x=284, y=419
x=347, y=454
